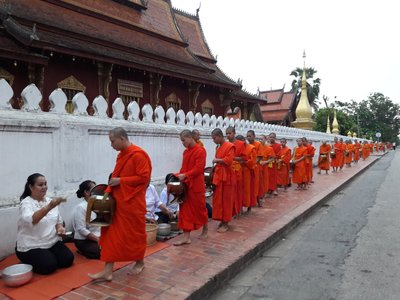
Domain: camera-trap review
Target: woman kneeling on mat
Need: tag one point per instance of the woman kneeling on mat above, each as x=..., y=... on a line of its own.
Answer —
x=39, y=229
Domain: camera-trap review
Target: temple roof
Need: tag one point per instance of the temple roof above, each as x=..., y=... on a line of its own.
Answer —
x=109, y=31
x=279, y=104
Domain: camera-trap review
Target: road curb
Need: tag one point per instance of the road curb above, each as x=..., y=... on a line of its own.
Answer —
x=232, y=270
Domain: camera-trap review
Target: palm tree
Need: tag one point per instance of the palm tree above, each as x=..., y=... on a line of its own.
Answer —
x=312, y=89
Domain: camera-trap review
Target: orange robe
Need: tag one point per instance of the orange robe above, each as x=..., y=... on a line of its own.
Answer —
x=255, y=184
x=238, y=188
x=365, y=151
x=223, y=180
x=357, y=150
x=263, y=175
x=299, y=173
x=268, y=154
x=323, y=162
x=311, y=152
x=193, y=212
x=250, y=156
x=283, y=167
x=349, y=154
x=341, y=154
x=371, y=148
x=125, y=238
x=336, y=160
x=272, y=168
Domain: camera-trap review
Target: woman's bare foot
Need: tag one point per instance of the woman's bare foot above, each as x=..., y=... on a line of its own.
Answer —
x=183, y=242
x=137, y=268
x=101, y=276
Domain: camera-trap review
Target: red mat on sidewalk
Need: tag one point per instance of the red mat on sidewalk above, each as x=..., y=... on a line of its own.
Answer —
x=63, y=280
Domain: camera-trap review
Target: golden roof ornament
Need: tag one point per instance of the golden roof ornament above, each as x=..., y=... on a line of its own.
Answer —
x=354, y=135
x=328, y=126
x=303, y=110
x=349, y=133
x=335, y=124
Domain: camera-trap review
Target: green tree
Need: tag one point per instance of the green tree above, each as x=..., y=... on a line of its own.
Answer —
x=345, y=121
x=312, y=89
x=376, y=114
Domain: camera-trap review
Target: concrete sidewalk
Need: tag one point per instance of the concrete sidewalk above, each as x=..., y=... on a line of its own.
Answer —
x=195, y=271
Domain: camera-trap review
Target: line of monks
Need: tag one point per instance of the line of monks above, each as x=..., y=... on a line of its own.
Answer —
x=246, y=173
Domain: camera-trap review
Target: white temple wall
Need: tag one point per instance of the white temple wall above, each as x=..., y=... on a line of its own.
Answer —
x=70, y=148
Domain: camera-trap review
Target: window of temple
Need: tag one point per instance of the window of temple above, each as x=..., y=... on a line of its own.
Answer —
x=173, y=101
x=207, y=107
x=71, y=86
x=129, y=91
x=7, y=76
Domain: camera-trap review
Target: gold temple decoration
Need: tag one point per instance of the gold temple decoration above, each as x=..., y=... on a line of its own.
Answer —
x=328, y=126
x=71, y=86
x=303, y=110
x=335, y=124
x=354, y=135
x=7, y=76
x=349, y=134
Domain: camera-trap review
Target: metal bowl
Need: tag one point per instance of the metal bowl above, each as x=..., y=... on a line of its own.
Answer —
x=164, y=229
x=17, y=275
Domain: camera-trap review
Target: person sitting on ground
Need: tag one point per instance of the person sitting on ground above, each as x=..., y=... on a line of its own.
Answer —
x=166, y=201
x=152, y=203
x=39, y=229
x=86, y=237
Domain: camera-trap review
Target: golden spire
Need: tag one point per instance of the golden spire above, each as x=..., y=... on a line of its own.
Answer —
x=349, y=134
x=303, y=110
x=335, y=124
x=354, y=135
x=328, y=126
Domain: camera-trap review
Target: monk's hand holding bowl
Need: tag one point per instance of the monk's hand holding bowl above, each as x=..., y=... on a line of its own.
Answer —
x=181, y=177
x=114, y=181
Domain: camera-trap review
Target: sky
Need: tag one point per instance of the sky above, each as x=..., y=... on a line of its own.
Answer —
x=354, y=45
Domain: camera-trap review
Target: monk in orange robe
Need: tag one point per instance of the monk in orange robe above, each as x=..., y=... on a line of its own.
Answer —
x=125, y=238
x=341, y=153
x=248, y=163
x=357, y=151
x=263, y=188
x=335, y=154
x=365, y=150
x=223, y=180
x=308, y=160
x=238, y=188
x=256, y=170
x=283, y=165
x=348, y=159
x=196, y=137
x=192, y=212
x=376, y=147
x=299, y=173
x=323, y=159
x=272, y=167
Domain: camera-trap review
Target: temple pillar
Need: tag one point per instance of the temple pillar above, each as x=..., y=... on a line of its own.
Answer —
x=155, y=88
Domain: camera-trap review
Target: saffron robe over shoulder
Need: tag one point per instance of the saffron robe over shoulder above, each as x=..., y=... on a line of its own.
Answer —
x=238, y=188
x=193, y=212
x=299, y=173
x=250, y=157
x=283, y=167
x=338, y=150
x=272, y=168
x=255, y=183
x=323, y=160
x=125, y=238
x=224, y=180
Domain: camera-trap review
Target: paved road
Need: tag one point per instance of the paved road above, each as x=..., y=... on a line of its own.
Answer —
x=349, y=249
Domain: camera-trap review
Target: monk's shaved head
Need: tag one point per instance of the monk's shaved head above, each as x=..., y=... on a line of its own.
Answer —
x=240, y=138
x=186, y=133
x=217, y=132
x=230, y=129
x=119, y=132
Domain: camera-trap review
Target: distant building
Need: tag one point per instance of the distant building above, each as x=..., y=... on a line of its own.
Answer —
x=144, y=51
x=279, y=106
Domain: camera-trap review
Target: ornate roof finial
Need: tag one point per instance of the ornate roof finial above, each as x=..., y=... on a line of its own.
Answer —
x=198, y=9
x=304, y=59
